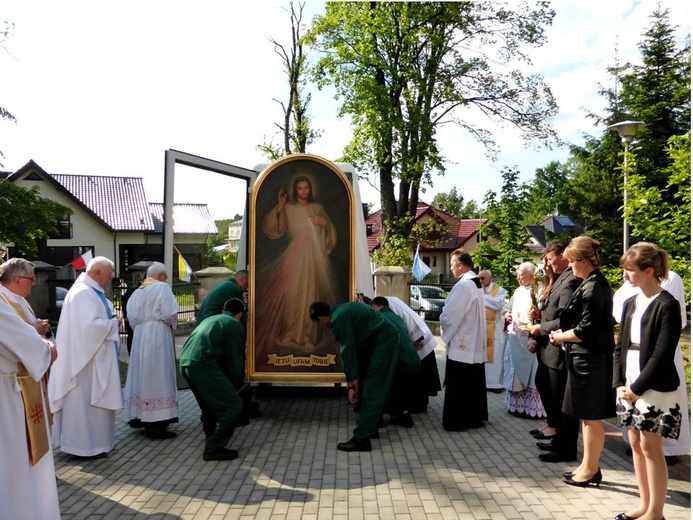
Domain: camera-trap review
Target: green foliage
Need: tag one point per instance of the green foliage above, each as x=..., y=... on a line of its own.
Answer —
x=214, y=258
x=393, y=251
x=27, y=217
x=657, y=91
x=503, y=248
x=663, y=215
x=402, y=69
x=453, y=203
x=546, y=193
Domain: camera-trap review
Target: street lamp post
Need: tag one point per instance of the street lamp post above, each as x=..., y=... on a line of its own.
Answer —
x=626, y=129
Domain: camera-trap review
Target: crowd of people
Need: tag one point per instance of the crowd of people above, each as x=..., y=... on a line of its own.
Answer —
x=551, y=348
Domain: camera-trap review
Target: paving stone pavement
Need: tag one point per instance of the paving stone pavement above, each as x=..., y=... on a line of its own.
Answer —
x=289, y=469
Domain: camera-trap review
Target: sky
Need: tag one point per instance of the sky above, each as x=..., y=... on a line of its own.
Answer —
x=105, y=88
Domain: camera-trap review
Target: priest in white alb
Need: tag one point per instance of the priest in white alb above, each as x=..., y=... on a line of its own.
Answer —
x=494, y=301
x=84, y=386
x=28, y=487
x=151, y=395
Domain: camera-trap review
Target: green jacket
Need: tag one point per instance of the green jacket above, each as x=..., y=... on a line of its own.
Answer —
x=215, y=300
x=357, y=326
x=407, y=358
x=219, y=344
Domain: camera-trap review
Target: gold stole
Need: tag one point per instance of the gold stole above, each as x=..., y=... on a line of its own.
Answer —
x=34, y=394
x=491, y=327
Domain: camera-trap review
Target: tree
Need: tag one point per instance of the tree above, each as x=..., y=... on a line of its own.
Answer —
x=657, y=92
x=545, y=193
x=4, y=113
x=295, y=127
x=402, y=69
x=27, y=217
x=503, y=247
x=663, y=215
x=453, y=203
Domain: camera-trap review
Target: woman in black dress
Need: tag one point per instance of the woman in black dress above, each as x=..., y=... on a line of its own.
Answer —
x=645, y=376
x=587, y=336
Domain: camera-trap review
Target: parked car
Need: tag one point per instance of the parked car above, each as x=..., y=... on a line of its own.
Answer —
x=427, y=300
x=60, y=293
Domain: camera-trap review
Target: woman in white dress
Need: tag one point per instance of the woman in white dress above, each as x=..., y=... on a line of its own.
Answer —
x=645, y=375
x=520, y=362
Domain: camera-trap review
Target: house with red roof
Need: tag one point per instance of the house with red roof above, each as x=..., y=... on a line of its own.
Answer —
x=465, y=233
x=112, y=217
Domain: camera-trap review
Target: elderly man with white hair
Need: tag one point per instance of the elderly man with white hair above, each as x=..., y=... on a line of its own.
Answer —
x=84, y=385
x=151, y=395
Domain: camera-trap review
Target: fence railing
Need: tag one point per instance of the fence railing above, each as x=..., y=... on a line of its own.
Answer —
x=185, y=293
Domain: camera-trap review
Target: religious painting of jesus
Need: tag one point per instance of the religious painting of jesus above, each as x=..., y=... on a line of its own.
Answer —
x=301, y=251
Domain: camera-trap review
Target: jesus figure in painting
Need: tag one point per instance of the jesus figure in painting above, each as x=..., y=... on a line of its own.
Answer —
x=302, y=274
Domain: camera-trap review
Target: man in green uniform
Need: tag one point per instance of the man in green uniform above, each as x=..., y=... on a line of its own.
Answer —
x=212, y=362
x=362, y=333
x=408, y=366
x=212, y=305
x=234, y=287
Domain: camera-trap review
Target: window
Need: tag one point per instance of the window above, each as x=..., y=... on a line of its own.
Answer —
x=63, y=228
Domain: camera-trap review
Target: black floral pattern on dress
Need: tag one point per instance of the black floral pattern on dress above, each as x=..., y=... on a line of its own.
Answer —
x=666, y=424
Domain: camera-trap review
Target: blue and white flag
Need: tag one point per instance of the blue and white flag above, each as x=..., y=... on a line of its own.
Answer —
x=420, y=270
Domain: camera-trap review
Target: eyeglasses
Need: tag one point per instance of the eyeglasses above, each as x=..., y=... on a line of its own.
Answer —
x=33, y=279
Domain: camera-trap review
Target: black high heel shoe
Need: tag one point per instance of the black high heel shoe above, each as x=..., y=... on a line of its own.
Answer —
x=596, y=479
x=623, y=516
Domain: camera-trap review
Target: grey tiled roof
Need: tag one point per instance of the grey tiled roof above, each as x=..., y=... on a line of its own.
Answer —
x=187, y=218
x=119, y=202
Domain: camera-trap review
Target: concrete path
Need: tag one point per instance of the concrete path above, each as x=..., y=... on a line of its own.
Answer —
x=289, y=468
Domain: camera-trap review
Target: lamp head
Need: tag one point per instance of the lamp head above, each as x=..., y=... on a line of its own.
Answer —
x=627, y=129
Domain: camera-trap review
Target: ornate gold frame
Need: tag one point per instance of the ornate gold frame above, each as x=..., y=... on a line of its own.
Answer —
x=297, y=369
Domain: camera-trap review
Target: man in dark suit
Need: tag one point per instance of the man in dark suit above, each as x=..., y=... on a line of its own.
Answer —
x=552, y=373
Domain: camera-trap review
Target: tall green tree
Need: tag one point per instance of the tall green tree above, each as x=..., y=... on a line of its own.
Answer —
x=504, y=237
x=657, y=91
x=452, y=202
x=27, y=217
x=402, y=69
x=663, y=215
x=545, y=193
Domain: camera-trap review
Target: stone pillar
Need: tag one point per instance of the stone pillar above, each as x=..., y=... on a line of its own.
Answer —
x=392, y=281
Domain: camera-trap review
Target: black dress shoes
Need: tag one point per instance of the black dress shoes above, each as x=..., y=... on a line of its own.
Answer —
x=546, y=446
x=221, y=454
x=557, y=457
x=595, y=479
x=355, y=444
x=402, y=419
x=153, y=433
x=541, y=436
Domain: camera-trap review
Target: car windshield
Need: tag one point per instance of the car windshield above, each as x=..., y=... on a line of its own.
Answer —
x=433, y=292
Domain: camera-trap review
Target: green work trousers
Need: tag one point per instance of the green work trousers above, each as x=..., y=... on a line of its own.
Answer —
x=376, y=385
x=219, y=402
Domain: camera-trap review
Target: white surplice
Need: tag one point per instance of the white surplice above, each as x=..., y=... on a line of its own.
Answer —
x=463, y=322
x=416, y=326
x=26, y=491
x=674, y=286
x=494, y=370
x=150, y=389
x=84, y=386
